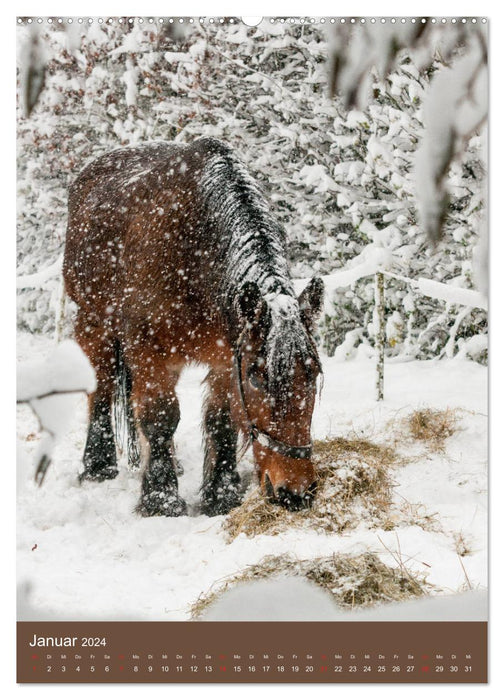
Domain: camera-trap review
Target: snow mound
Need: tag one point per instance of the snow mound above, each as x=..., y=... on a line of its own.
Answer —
x=342, y=581
x=293, y=599
x=287, y=598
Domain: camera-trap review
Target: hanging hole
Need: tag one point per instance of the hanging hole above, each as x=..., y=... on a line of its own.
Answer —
x=252, y=21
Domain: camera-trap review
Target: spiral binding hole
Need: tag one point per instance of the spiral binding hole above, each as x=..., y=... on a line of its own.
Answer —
x=250, y=21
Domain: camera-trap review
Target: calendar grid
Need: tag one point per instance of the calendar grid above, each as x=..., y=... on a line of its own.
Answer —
x=223, y=652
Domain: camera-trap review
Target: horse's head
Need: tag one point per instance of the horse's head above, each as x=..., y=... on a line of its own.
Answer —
x=277, y=367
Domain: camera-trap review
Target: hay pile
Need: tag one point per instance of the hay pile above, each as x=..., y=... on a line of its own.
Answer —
x=354, y=486
x=352, y=581
x=431, y=427
x=354, y=482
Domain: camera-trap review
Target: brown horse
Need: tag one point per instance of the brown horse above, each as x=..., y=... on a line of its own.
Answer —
x=172, y=257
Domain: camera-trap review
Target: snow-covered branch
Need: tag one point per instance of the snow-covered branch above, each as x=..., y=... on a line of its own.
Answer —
x=50, y=387
x=430, y=288
x=338, y=180
x=40, y=279
x=456, y=105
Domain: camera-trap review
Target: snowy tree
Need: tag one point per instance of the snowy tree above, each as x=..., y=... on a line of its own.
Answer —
x=455, y=107
x=342, y=181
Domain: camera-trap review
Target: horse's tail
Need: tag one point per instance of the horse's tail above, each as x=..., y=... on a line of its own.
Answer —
x=124, y=418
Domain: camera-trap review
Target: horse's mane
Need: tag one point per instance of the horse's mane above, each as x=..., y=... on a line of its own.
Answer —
x=251, y=242
x=252, y=249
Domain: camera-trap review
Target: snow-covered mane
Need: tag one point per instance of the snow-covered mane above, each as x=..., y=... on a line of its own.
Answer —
x=252, y=243
x=252, y=249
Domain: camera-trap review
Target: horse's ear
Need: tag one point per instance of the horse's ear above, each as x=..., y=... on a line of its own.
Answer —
x=250, y=302
x=310, y=301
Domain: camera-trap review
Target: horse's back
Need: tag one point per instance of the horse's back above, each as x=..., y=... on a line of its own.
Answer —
x=114, y=186
x=136, y=220
x=125, y=169
x=121, y=197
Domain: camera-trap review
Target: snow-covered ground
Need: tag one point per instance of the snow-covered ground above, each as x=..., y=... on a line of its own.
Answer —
x=86, y=554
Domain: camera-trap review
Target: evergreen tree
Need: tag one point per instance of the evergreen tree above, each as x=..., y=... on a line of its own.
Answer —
x=341, y=182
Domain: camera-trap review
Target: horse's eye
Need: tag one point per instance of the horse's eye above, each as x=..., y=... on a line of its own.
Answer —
x=254, y=379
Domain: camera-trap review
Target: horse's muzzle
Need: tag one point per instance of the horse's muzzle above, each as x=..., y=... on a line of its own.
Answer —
x=291, y=500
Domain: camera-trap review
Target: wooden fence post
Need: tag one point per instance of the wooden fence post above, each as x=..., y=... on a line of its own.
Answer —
x=379, y=328
x=59, y=313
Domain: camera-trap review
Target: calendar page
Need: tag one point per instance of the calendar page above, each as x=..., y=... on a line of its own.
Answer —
x=252, y=292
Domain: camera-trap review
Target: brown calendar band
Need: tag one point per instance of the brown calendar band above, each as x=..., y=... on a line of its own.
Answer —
x=251, y=652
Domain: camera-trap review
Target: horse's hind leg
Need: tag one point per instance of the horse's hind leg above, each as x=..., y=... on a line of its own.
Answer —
x=100, y=460
x=221, y=482
x=158, y=413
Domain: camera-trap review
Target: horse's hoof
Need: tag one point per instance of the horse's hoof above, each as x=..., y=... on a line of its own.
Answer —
x=219, y=500
x=219, y=507
x=99, y=475
x=169, y=505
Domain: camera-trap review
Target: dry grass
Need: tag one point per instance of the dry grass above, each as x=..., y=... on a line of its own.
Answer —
x=462, y=546
x=353, y=581
x=355, y=482
x=431, y=427
x=355, y=488
x=354, y=485
x=407, y=513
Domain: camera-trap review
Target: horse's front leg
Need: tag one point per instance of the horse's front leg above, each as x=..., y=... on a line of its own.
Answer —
x=221, y=482
x=158, y=414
